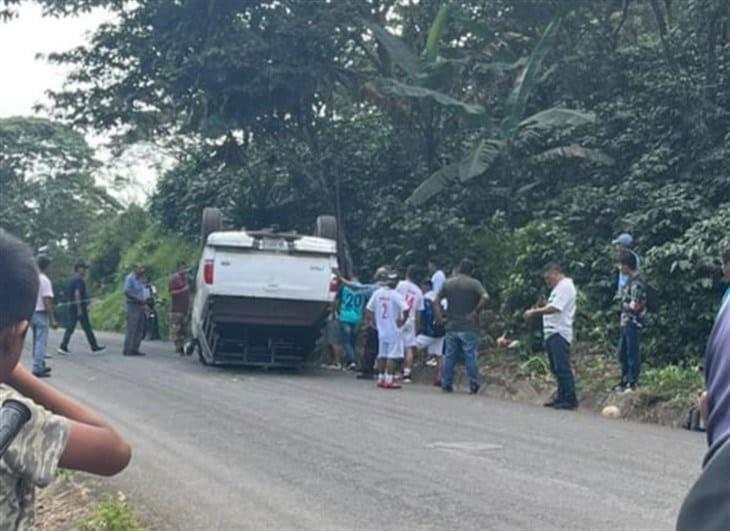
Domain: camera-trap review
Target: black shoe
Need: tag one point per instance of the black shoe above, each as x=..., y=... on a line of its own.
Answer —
x=365, y=376
x=619, y=386
x=474, y=390
x=180, y=350
x=134, y=353
x=565, y=404
x=98, y=348
x=552, y=400
x=447, y=389
x=63, y=350
x=45, y=373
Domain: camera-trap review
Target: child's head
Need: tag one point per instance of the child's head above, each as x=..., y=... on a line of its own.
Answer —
x=18, y=294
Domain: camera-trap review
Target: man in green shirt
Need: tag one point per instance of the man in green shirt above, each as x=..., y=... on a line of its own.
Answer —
x=465, y=297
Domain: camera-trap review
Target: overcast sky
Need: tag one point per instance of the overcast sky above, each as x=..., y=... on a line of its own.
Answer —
x=25, y=80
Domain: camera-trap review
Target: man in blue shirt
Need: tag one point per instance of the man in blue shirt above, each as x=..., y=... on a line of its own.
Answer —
x=134, y=292
x=625, y=244
x=349, y=307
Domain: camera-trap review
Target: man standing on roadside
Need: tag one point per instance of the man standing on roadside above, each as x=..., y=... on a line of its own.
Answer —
x=349, y=306
x=179, y=307
x=438, y=277
x=465, y=297
x=366, y=370
x=624, y=243
x=43, y=319
x=557, y=321
x=78, y=310
x=633, y=310
x=388, y=310
x=136, y=306
x=413, y=295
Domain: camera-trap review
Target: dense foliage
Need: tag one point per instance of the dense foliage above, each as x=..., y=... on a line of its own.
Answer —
x=513, y=130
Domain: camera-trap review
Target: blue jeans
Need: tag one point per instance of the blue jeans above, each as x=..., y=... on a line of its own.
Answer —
x=458, y=346
x=628, y=353
x=40, y=324
x=558, y=350
x=349, y=340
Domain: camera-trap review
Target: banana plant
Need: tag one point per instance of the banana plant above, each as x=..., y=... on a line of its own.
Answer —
x=485, y=152
x=422, y=71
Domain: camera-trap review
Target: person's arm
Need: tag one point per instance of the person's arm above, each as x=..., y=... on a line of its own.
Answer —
x=542, y=310
x=483, y=300
x=48, y=305
x=175, y=290
x=77, y=300
x=93, y=445
x=438, y=309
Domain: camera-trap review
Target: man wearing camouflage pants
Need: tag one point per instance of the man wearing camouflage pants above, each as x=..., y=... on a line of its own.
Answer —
x=179, y=307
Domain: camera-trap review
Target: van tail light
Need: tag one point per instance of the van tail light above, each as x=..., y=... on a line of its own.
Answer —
x=208, y=272
x=334, y=284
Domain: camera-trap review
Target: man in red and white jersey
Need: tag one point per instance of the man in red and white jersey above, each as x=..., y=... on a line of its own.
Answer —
x=413, y=295
x=388, y=309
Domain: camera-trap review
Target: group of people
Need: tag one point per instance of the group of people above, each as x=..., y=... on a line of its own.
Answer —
x=440, y=316
x=140, y=300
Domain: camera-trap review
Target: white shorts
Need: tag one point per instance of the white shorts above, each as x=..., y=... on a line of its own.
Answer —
x=433, y=345
x=391, y=349
x=409, y=335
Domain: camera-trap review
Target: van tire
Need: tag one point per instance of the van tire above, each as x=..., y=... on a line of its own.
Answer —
x=326, y=227
x=212, y=222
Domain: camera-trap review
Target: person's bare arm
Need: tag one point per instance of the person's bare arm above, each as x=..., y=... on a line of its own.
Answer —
x=483, y=300
x=542, y=310
x=438, y=312
x=77, y=299
x=93, y=445
x=48, y=305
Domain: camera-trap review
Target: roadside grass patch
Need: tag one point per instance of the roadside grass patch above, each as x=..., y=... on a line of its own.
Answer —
x=112, y=514
x=673, y=382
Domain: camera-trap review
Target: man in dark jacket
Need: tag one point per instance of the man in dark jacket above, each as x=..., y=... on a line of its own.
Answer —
x=78, y=310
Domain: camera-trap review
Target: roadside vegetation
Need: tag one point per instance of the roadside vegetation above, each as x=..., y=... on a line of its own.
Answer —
x=112, y=514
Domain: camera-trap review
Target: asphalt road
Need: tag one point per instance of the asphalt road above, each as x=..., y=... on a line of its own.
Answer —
x=232, y=449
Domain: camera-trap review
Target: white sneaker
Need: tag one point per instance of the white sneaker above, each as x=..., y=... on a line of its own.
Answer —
x=432, y=362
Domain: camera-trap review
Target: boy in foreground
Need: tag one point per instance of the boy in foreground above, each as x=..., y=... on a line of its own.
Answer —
x=389, y=310
x=60, y=432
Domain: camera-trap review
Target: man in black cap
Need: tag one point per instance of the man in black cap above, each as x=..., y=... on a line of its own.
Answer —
x=78, y=310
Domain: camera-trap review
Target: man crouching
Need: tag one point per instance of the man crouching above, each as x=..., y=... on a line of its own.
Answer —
x=61, y=432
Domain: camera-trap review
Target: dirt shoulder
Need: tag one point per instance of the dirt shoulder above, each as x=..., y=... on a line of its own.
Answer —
x=664, y=397
x=78, y=501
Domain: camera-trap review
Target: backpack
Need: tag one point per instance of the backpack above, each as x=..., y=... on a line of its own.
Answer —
x=652, y=297
x=429, y=326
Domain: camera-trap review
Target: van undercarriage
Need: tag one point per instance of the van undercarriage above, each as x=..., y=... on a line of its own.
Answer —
x=259, y=332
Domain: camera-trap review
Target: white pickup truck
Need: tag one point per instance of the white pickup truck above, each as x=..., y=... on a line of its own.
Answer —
x=262, y=297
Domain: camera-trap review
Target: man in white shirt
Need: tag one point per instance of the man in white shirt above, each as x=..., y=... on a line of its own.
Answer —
x=557, y=321
x=388, y=309
x=43, y=319
x=438, y=277
x=413, y=295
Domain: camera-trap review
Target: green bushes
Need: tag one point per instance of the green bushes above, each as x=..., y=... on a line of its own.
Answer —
x=160, y=254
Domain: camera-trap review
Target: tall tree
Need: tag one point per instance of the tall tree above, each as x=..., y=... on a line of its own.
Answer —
x=49, y=196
